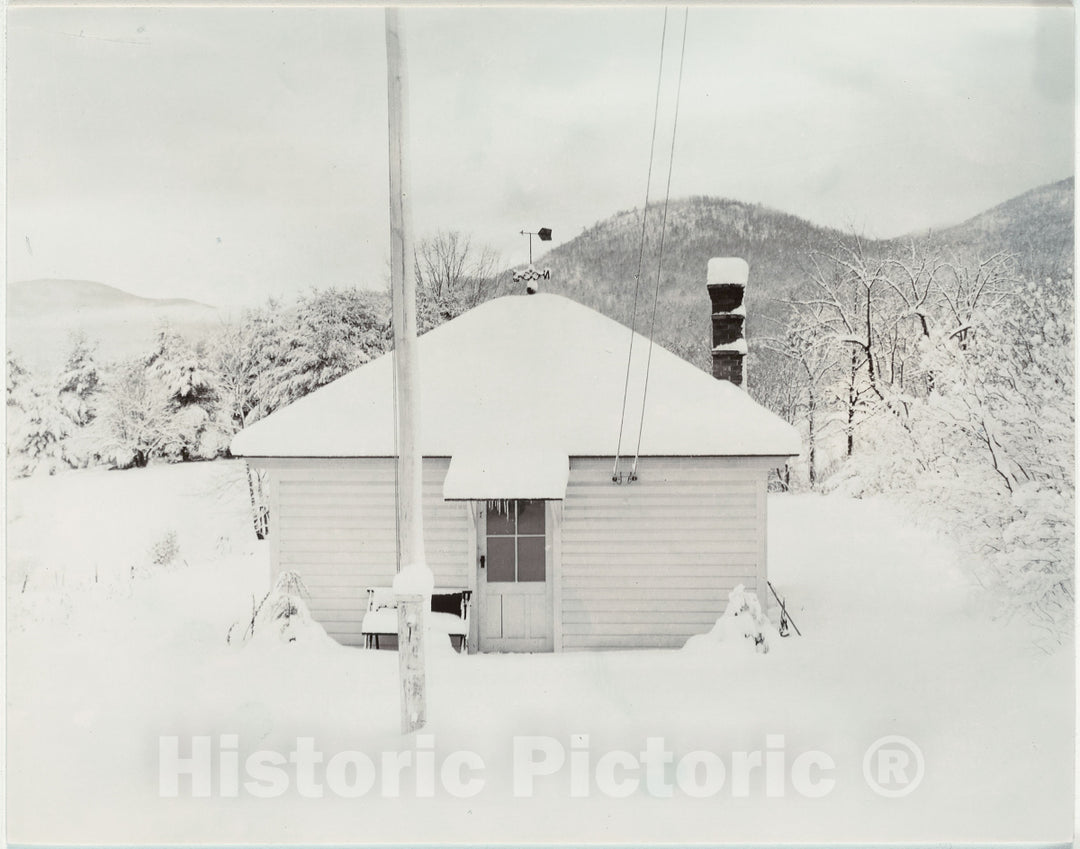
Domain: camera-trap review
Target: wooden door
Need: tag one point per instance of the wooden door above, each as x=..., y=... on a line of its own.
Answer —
x=514, y=579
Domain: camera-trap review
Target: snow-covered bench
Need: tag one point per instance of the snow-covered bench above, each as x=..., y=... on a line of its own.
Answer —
x=449, y=614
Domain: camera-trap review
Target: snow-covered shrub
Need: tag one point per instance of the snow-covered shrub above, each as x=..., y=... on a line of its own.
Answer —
x=282, y=615
x=743, y=626
x=1030, y=554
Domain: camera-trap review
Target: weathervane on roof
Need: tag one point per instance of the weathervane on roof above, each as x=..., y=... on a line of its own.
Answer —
x=530, y=275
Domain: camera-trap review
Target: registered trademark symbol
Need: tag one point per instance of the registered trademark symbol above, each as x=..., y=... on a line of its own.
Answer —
x=893, y=766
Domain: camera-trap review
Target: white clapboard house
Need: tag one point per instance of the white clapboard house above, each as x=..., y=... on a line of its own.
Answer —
x=521, y=400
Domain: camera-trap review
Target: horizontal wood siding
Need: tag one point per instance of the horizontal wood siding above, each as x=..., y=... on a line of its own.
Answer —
x=336, y=527
x=651, y=563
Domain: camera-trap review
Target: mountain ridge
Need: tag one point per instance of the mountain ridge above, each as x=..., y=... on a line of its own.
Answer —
x=598, y=268
x=86, y=292
x=1036, y=226
x=42, y=314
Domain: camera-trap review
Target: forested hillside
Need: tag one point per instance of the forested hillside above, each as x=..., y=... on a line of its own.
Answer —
x=598, y=268
x=1035, y=227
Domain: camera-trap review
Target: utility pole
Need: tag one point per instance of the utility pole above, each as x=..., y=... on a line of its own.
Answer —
x=412, y=586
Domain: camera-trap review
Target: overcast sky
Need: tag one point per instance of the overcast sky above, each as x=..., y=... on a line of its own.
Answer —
x=231, y=154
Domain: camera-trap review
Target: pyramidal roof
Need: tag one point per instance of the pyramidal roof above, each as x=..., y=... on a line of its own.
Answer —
x=528, y=371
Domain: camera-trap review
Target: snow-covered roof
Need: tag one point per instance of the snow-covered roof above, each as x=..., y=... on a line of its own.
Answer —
x=527, y=370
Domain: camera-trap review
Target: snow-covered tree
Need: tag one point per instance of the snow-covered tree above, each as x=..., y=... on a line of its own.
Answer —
x=796, y=372
x=136, y=415
x=249, y=360
x=77, y=387
x=953, y=382
x=79, y=381
x=16, y=377
x=969, y=288
x=330, y=333
x=452, y=275
x=1009, y=392
x=36, y=426
x=187, y=380
x=180, y=368
x=988, y=450
x=234, y=360
x=843, y=299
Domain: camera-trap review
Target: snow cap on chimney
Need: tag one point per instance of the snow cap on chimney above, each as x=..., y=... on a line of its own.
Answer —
x=728, y=269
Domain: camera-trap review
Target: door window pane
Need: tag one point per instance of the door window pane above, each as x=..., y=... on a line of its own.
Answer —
x=500, y=559
x=497, y=521
x=530, y=517
x=530, y=559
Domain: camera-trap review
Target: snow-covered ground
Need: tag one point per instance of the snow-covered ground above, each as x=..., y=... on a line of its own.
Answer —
x=110, y=651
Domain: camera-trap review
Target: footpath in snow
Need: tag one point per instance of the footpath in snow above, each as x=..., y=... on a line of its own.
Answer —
x=122, y=586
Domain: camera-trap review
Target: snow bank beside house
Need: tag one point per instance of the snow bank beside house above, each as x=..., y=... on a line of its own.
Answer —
x=100, y=526
x=896, y=643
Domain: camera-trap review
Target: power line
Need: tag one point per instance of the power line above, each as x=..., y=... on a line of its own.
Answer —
x=641, y=249
x=660, y=258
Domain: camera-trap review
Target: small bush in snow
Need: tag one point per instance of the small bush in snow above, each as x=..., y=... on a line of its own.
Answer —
x=746, y=619
x=743, y=624
x=165, y=550
x=282, y=612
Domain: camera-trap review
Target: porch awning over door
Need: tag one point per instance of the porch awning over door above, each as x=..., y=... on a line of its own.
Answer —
x=500, y=473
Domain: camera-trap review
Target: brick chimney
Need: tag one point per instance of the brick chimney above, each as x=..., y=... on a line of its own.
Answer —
x=727, y=284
